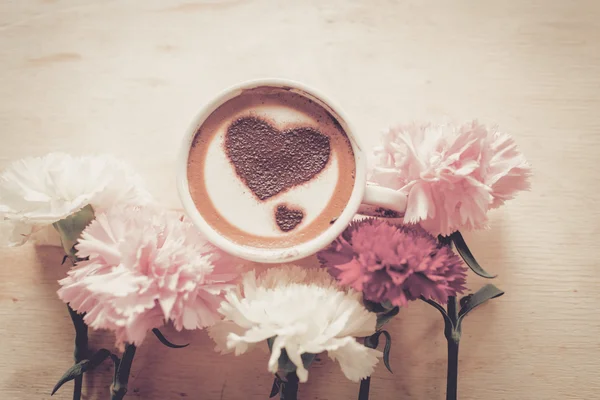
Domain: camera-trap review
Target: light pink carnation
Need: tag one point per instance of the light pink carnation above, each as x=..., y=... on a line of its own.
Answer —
x=453, y=175
x=394, y=263
x=146, y=266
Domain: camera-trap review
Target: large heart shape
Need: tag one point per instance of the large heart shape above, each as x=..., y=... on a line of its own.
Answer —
x=270, y=161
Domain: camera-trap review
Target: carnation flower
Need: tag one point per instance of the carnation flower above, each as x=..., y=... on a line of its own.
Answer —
x=146, y=266
x=304, y=312
x=396, y=264
x=39, y=191
x=453, y=175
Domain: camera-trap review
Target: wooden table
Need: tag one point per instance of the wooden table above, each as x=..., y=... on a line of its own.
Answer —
x=127, y=76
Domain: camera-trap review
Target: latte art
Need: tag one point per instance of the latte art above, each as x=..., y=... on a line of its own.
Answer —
x=270, y=168
x=287, y=219
x=269, y=161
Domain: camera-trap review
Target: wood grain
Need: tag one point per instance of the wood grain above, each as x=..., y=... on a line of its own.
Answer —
x=127, y=76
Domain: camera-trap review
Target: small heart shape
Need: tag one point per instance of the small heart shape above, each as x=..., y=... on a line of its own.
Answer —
x=270, y=161
x=286, y=218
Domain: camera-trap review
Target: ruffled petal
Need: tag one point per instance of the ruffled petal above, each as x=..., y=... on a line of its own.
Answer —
x=146, y=266
x=356, y=360
x=453, y=174
x=267, y=306
x=40, y=191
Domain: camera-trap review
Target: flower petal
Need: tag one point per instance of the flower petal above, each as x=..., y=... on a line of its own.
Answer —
x=356, y=360
x=145, y=264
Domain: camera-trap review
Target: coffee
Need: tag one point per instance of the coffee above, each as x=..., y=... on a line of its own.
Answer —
x=270, y=168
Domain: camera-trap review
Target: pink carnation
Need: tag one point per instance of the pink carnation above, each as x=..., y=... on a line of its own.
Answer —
x=395, y=264
x=146, y=266
x=453, y=175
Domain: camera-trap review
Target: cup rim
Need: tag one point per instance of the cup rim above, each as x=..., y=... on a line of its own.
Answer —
x=266, y=254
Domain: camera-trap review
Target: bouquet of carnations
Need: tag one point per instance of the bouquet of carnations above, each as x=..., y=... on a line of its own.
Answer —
x=133, y=266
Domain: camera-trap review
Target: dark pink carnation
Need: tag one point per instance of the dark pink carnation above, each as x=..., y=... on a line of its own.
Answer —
x=395, y=263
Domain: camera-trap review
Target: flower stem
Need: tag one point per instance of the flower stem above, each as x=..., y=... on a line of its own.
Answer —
x=81, y=347
x=289, y=389
x=365, y=386
x=121, y=378
x=78, y=381
x=453, y=338
x=452, y=379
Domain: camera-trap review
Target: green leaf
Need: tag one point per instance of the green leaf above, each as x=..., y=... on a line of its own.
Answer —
x=98, y=358
x=81, y=367
x=372, y=342
x=386, y=350
x=464, y=300
x=383, y=318
x=484, y=294
x=276, y=386
x=467, y=256
x=385, y=311
x=166, y=342
x=373, y=306
x=70, y=228
x=377, y=307
x=72, y=373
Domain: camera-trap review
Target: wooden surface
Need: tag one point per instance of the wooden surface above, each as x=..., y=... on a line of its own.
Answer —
x=126, y=77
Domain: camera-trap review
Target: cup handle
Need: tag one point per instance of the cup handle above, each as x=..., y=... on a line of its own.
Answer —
x=380, y=201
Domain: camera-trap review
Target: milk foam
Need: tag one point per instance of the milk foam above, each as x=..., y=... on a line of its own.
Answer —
x=235, y=201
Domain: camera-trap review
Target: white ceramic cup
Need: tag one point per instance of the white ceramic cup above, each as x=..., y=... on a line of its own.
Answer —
x=365, y=196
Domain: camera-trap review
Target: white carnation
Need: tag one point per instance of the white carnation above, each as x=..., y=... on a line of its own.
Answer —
x=305, y=312
x=38, y=191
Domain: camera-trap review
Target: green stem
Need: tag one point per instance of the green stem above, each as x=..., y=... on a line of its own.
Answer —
x=289, y=389
x=452, y=378
x=365, y=384
x=78, y=381
x=453, y=338
x=81, y=347
x=121, y=379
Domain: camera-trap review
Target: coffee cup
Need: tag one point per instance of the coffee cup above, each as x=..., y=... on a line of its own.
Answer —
x=272, y=171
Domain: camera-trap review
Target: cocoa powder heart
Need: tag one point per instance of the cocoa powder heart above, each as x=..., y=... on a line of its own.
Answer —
x=286, y=218
x=270, y=161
